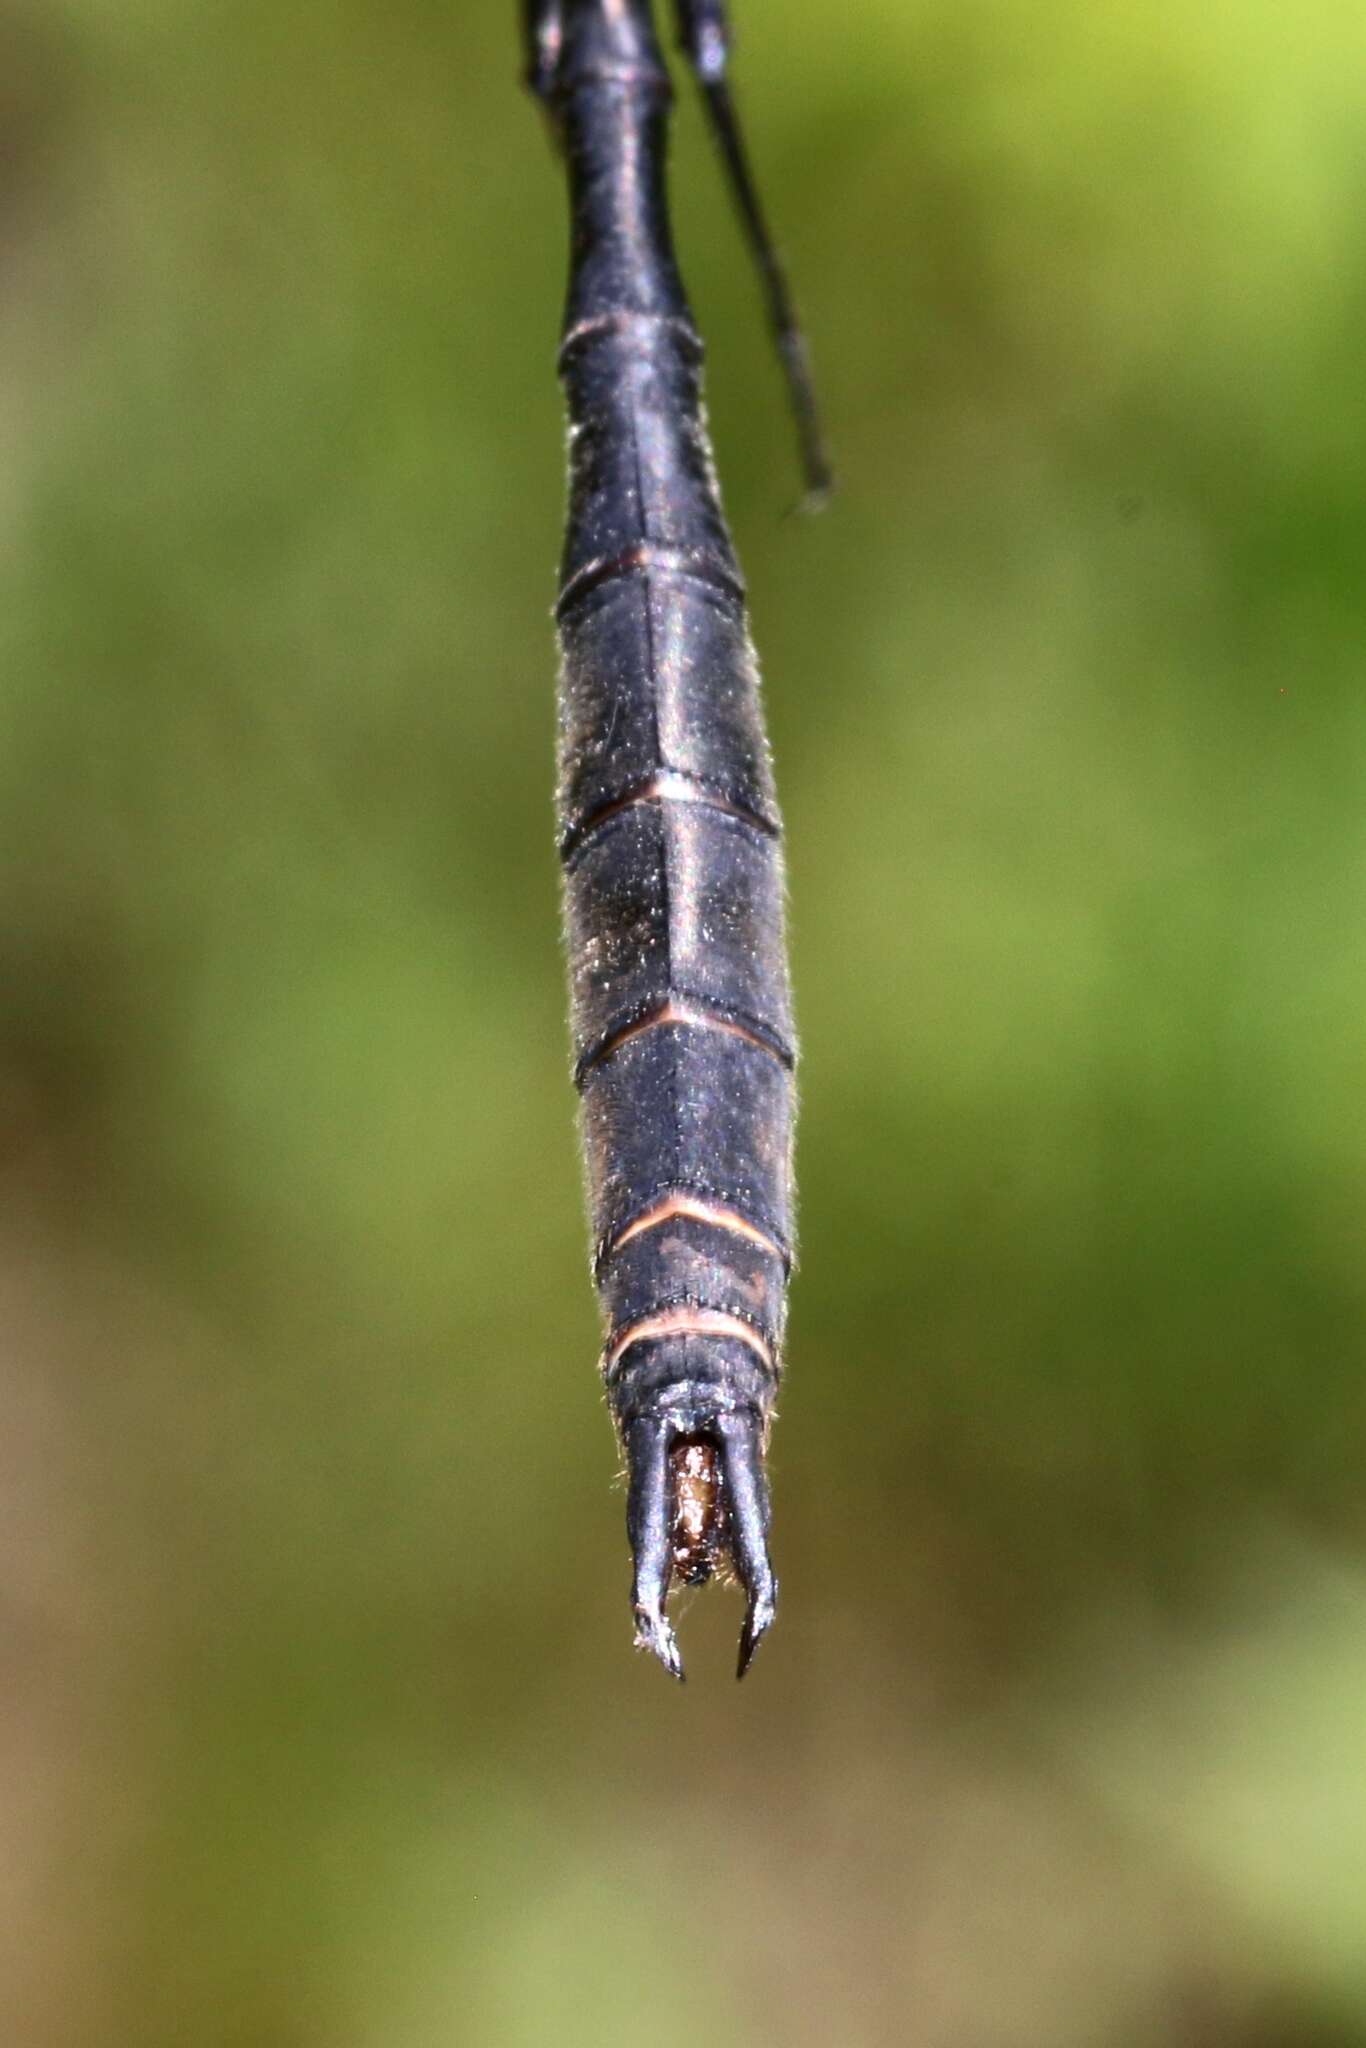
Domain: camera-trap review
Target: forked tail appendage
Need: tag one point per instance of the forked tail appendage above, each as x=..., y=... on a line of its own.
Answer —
x=697, y=1500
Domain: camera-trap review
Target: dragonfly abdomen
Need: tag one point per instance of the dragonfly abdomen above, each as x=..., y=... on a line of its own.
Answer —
x=680, y=1008
x=673, y=878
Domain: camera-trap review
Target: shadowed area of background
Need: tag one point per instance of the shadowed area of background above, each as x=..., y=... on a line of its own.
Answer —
x=321, y=1727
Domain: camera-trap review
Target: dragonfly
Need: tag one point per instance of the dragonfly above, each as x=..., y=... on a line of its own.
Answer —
x=669, y=833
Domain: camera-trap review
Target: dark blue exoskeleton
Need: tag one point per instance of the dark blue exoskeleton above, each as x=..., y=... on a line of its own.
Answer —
x=669, y=830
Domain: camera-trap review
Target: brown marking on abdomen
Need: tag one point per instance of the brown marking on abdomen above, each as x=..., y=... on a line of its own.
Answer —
x=670, y=1012
x=698, y=1212
x=684, y=1321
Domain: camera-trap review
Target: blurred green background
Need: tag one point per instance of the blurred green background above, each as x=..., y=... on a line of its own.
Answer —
x=320, y=1725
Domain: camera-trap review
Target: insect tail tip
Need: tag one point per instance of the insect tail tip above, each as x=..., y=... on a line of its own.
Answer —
x=747, y=1490
x=648, y=1509
x=759, y=1615
x=654, y=1633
